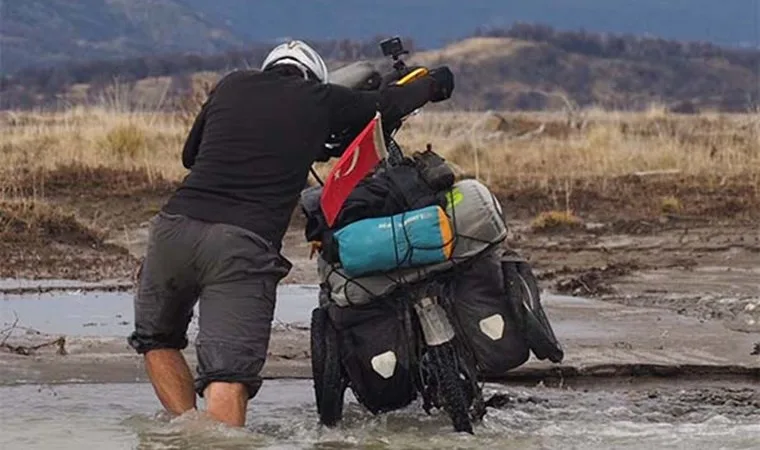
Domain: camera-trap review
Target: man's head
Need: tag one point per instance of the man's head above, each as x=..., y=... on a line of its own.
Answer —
x=298, y=54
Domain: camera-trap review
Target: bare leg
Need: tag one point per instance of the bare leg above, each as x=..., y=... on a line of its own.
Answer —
x=226, y=402
x=172, y=380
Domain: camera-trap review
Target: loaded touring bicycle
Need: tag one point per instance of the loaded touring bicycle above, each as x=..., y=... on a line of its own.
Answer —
x=419, y=298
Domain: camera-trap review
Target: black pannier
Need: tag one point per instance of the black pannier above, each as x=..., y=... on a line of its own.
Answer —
x=521, y=285
x=377, y=354
x=489, y=318
x=498, y=309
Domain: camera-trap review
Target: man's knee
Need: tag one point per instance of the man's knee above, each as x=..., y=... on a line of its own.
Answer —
x=226, y=391
x=154, y=331
x=228, y=362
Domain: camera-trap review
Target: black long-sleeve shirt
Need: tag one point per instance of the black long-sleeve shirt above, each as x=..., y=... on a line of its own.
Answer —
x=251, y=146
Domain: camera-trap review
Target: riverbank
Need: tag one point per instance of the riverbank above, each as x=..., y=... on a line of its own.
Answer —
x=643, y=209
x=701, y=264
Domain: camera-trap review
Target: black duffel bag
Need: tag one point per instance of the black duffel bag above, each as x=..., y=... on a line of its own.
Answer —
x=416, y=182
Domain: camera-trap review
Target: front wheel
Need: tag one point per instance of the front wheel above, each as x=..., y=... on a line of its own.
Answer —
x=329, y=382
x=444, y=367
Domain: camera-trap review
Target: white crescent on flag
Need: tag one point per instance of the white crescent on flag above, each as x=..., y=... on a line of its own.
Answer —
x=351, y=168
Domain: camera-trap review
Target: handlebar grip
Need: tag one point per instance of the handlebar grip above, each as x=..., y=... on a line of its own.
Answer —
x=413, y=75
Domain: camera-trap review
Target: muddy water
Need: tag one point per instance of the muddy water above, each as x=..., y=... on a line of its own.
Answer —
x=116, y=416
x=679, y=415
x=97, y=313
x=75, y=312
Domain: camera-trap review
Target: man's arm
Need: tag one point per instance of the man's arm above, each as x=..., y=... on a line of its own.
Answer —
x=194, y=137
x=350, y=110
x=353, y=109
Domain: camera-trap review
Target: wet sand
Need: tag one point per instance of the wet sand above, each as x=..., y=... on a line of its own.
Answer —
x=601, y=340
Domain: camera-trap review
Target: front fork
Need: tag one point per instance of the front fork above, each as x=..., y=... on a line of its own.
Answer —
x=436, y=326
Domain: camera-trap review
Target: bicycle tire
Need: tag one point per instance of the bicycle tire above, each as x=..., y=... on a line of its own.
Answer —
x=452, y=394
x=327, y=373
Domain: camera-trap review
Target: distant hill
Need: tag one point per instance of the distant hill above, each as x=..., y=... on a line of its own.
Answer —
x=536, y=67
x=526, y=67
x=44, y=32
x=47, y=32
x=434, y=23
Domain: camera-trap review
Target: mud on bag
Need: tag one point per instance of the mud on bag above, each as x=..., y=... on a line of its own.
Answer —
x=415, y=238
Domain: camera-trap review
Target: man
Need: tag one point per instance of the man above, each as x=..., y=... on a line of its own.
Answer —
x=218, y=238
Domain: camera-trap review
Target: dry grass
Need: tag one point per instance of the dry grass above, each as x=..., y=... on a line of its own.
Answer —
x=540, y=149
x=28, y=221
x=671, y=205
x=472, y=50
x=190, y=104
x=507, y=151
x=85, y=173
x=90, y=137
x=556, y=221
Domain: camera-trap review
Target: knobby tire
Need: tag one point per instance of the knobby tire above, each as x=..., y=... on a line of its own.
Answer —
x=444, y=365
x=329, y=384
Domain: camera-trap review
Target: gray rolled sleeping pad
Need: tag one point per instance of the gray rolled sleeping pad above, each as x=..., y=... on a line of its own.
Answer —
x=479, y=225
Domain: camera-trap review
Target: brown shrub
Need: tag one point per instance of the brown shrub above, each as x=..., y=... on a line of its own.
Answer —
x=33, y=221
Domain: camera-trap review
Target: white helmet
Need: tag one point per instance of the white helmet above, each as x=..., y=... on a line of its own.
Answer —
x=300, y=55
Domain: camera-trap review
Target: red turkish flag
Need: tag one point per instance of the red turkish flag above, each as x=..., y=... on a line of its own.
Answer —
x=360, y=157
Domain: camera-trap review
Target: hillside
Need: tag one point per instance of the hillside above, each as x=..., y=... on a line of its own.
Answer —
x=525, y=67
x=522, y=74
x=45, y=32
x=40, y=32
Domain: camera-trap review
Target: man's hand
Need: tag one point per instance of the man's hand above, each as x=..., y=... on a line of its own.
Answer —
x=444, y=84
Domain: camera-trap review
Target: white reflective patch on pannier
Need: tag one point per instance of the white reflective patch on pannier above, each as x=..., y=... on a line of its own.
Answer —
x=493, y=327
x=385, y=364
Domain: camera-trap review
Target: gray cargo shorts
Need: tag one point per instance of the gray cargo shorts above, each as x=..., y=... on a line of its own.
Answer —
x=232, y=273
